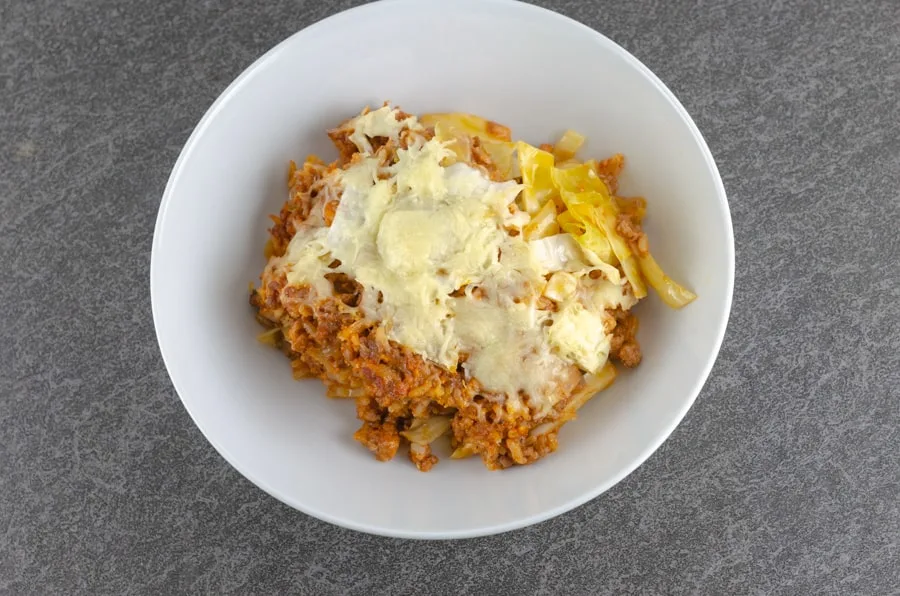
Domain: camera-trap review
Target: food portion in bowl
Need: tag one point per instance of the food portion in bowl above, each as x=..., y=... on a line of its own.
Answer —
x=454, y=282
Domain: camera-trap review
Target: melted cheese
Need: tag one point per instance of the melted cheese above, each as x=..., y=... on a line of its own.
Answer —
x=579, y=334
x=416, y=232
x=306, y=259
x=507, y=351
x=379, y=123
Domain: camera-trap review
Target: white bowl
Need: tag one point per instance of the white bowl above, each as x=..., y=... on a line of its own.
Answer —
x=531, y=69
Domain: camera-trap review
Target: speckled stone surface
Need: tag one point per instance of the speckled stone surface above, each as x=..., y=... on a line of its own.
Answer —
x=783, y=479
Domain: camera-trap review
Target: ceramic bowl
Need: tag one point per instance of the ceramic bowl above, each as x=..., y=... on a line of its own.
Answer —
x=531, y=69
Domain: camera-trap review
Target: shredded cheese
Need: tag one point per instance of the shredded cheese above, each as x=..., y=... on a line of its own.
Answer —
x=415, y=232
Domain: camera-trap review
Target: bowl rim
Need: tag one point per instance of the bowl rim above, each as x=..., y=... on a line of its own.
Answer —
x=572, y=503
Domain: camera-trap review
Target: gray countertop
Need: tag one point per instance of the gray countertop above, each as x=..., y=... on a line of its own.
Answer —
x=783, y=478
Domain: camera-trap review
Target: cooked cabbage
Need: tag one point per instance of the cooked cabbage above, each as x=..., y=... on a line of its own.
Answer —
x=559, y=252
x=568, y=145
x=536, y=167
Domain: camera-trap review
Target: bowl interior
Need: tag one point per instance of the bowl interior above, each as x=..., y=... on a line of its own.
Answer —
x=530, y=69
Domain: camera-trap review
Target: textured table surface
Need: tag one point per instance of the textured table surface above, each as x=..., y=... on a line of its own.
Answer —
x=784, y=478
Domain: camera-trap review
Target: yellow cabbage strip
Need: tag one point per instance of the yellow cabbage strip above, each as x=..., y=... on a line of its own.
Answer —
x=536, y=167
x=568, y=145
x=592, y=240
x=460, y=144
x=595, y=209
x=567, y=219
x=502, y=154
x=592, y=385
x=543, y=223
x=336, y=391
x=587, y=199
x=474, y=125
x=672, y=293
x=459, y=128
x=270, y=337
x=463, y=451
x=567, y=163
x=578, y=178
x=589, y=213
x=635, y=207
x=426, y=430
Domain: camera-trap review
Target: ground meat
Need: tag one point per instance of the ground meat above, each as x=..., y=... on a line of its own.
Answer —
x=341, y=138
x=609, y=169
x=624, y=346
x=408, y=136
x=382, y=439
x=348, y=290
x=544, y=303
x=526, y=449
x=295, y=300
x=329, y=211
x=421, y=456
x=498, y=131
x=633, y=233
x=629, y=354
x=304, y=185
x=328, y=340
